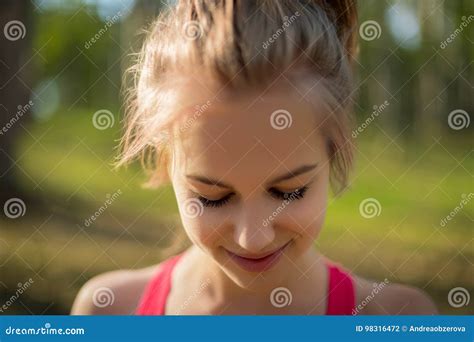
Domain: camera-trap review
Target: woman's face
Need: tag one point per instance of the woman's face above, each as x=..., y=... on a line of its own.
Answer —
x=251, y=179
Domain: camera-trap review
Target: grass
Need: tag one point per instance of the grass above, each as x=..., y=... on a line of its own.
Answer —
x=70, y=168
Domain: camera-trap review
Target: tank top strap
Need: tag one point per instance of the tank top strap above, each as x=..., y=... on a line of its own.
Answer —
x=153, y=300
x=341, y=294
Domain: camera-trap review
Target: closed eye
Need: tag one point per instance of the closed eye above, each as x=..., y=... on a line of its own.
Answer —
x=215, y=203
x=275, y=193
x=290, y=196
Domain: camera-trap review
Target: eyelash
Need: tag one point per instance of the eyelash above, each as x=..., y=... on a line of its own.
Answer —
x=215, y=203
x=296, y=195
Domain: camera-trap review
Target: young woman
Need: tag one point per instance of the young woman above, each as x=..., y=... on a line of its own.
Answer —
x=244, y=106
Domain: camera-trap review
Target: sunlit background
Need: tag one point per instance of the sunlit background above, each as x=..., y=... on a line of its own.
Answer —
x=407, y=218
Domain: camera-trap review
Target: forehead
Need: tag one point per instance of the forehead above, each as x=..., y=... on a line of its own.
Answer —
x=248, y=137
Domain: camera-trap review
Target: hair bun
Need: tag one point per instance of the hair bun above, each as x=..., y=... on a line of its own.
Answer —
x=343, y=13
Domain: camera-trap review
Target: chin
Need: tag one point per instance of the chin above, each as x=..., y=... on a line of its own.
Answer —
x=257, y=281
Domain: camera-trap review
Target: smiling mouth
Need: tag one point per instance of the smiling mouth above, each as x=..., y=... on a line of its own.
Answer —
x=258, y=263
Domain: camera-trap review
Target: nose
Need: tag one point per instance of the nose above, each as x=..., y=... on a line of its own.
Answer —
x=250, y=233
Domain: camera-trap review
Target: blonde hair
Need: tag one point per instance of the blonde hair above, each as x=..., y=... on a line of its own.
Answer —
x=242, y=44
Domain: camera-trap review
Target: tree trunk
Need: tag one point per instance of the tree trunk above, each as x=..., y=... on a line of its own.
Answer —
x=15, y=85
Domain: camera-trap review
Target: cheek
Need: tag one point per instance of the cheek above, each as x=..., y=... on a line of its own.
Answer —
x=202, y=225
x=199, y=223
x=201, y=232
x=306, y=217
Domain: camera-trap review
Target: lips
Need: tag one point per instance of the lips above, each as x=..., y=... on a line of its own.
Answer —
x=258, y=263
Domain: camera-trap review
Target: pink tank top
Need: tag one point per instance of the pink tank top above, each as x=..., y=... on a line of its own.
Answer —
x=340, y=297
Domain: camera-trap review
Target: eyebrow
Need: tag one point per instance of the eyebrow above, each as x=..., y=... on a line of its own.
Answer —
x=300, y=170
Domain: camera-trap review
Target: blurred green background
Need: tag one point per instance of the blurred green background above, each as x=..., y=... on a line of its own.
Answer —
x=413, y=157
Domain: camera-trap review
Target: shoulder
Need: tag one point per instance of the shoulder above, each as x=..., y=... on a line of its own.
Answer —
x=385, y=298
x=113, y=293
